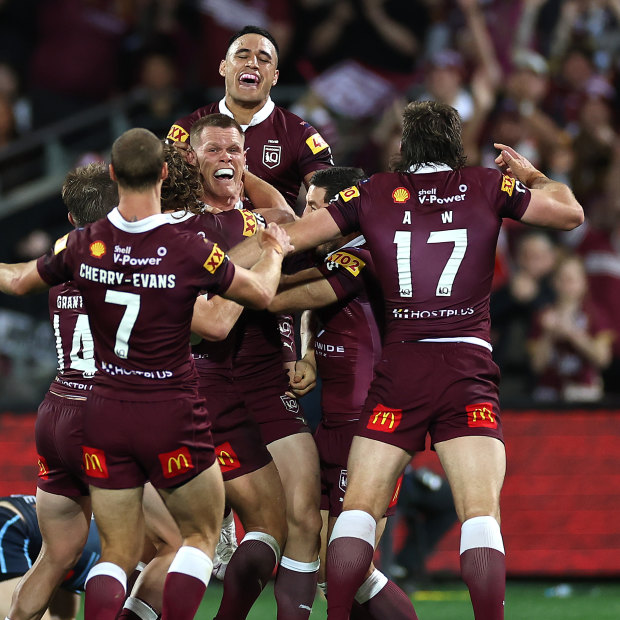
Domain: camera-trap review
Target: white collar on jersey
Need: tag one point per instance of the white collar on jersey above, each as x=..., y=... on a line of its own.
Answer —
x=259, y=117
x=354, y=243
x=426, y=168
x=148, y=223
x=173, y=217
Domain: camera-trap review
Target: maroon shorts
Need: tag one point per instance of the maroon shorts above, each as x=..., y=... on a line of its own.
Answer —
x=239, y=446
x=333, y=444
x=127, y=443
x=264, y=395
x=447, y=389
x=59, y=437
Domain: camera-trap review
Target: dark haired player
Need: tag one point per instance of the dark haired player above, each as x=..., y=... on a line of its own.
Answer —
x=432, y=230
x=342, y=289
x=139, y=278
x=259, y=377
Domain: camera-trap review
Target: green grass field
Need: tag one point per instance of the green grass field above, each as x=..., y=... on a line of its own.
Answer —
x=450, y=601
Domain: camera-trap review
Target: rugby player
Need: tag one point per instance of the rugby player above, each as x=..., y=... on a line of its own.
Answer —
x=146, y=380
x=431, y=227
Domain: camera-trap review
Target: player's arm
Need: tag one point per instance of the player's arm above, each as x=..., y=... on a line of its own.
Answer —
x=256, y=287
x=306, y=233
x=303, y=290
x=21, y=278
x=214, y=317
x=265, y=196
x=304, y=377
x=552, y=204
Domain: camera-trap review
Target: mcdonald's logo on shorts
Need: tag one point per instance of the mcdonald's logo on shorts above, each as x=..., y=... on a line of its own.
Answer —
x=176, y=462
x=43, y=468
x=95, y=465
x=226, y=457
x=481, y=415
x=384, y=419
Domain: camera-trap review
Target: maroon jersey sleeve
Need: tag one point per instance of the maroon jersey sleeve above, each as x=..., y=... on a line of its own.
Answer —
x=56, y=266
x=179, y=132
x=510, y=195
x=313, y=153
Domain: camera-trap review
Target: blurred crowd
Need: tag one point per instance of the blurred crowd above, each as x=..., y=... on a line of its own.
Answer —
x=540, y=75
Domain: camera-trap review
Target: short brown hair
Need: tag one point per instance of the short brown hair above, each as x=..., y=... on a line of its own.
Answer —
x=89, y=193
x=137, y=159
x=431, y=135
x=212, y=120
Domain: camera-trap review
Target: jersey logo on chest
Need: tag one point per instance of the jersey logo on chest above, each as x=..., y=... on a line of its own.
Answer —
x=272, y=155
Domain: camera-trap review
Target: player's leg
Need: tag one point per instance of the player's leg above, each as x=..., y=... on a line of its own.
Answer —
x=64, y=605
x=297, y=461
x=258, y=500
x=118, y=513
x=197, y=507
x=475, y=467
x=373, y=469
x=162, y=531
x=7, y=586
x=64, y=524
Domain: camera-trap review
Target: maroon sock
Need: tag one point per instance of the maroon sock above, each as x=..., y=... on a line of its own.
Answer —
x=348, y=560
x=359, y=612
x=484, y=571
x=182, y=596
x=390, y=602
x=105, y=596
x=249, y=570
x=295, y=588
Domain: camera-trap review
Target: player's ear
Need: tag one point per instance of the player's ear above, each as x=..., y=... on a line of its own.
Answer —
x=164, y=171
x=223, y=68
x=71, y=219
x=275, y=77
x=112, y=174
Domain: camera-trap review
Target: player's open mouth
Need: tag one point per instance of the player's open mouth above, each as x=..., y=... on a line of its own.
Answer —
x=226, y=174
x=249, y=79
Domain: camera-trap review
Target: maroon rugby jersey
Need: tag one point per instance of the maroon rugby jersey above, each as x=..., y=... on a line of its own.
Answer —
x=282, y=148
x=348, y=344
x=139, y=281
x=432, y=235
x=74, y=342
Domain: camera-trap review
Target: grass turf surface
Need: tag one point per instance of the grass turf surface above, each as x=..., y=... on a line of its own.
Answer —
x=450, y=601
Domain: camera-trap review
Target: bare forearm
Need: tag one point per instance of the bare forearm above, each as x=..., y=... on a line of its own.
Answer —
x=21, y=278
x=307, y=330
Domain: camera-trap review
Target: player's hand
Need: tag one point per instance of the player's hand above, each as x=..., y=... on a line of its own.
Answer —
x=512, y=163
x=303, y=379
x=274, y=237
x=185, y=150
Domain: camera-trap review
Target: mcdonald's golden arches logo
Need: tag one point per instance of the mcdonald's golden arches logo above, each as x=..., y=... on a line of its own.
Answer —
x=384, y=419
x=481, y=415
x=43, y=468
x=176, y=462
x=226, y=457
x=95, y=465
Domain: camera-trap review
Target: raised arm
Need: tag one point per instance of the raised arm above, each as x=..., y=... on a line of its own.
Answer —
x=305, y=290
x=552, y=204
x=265, y=196
x=21, y=278
x=214, y=317
x=308, y=232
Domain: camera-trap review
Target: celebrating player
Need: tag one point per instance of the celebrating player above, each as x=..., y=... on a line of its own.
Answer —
x=431, y=227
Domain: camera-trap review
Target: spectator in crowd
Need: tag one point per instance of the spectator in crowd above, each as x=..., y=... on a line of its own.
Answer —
x=569, y=344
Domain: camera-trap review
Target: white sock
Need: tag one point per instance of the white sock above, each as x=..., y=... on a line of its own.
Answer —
x=371, y=587
x=193, y=562
x=300, y=567
x=481, y=532
x=268, y=539
x=355, y=524
x=140, y=608
x=109, y=569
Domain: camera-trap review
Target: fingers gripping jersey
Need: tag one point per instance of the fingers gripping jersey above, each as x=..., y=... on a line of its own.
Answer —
x=433, y=236
x=139, y=282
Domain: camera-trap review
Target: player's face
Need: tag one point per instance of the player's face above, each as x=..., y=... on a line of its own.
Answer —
x=221, y=160
x=250, y=69
x=315, y=199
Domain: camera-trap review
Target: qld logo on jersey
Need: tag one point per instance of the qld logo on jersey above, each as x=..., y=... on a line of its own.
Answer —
x=97, y=249
x=384, y=419
x=316, y=143
x=216, y=258
x=480, y=415
x=178, y=134
x=349, y=193
x=400, y=195
x=226, y=457
x=342, y=480
x=272, y=154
